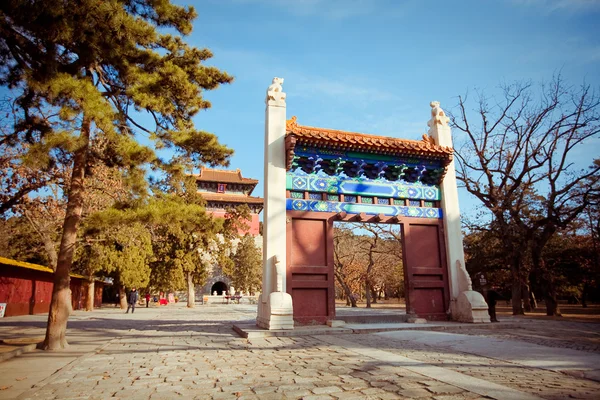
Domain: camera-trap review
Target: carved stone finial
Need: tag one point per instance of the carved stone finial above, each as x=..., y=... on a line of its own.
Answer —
x=275, y=94
x=438, y=116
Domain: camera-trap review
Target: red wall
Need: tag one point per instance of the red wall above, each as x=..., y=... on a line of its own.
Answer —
x=254, y=224
x=98, y=295
x=25, y=291
x=28, y=291
x=78, y=292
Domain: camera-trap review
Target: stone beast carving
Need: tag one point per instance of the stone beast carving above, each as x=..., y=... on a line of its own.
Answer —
x=438, y=116
x=275, y=91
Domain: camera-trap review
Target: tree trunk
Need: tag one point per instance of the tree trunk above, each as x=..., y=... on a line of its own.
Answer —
x=191, y=291
x=549, y=293
x=374, y=294
x=552, y=309
x=517, y=305
x=89, y=306
x=584, y=293
x=545, y=280
x=368, y=293
x=526, y=296
x=350, y=298
x=60, y=305
x=122, y=297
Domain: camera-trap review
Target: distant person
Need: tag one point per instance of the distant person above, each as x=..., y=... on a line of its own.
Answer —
x=133, y=298
x=147, y=299
x=492, y=298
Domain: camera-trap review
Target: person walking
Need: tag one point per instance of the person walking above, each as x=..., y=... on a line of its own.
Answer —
x=147, y=299
x=131, y=300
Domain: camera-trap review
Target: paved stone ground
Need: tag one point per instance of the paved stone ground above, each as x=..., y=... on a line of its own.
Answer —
x=583, y=336
x=172, y=351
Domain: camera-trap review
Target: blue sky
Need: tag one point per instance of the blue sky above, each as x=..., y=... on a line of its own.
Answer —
x=373, y=66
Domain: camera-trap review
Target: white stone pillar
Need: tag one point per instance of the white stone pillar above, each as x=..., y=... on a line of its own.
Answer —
x=274, y=308
x=459, y=280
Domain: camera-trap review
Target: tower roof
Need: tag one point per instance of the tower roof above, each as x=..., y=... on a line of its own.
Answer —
x=232, y=198
x=223, y=176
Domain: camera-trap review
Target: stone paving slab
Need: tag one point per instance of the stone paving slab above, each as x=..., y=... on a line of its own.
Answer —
x=539, y=382
x=474, y=385
x=527, y=354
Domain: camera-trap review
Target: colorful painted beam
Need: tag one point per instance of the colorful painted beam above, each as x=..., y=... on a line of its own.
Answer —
x=362, y=187
x=369, y=209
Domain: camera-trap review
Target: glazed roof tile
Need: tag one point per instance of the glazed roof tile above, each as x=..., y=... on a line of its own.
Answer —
x=223, y=176
x=231, y=198
x=37, y=267
x=363, y=142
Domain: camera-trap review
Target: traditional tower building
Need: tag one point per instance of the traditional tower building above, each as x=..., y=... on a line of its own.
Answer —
x=222, y=189
x=228, y=189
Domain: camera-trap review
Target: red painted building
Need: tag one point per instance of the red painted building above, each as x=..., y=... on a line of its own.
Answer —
x=222, y=189
x=27, y=288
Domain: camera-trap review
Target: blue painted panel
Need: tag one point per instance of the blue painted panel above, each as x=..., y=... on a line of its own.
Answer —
x=369, y=209
x=363, y=187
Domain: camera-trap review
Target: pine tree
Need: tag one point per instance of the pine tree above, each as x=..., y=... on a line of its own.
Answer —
x=85, y=70
x=247, y=270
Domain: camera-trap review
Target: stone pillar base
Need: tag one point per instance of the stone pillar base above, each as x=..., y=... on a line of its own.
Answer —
x=276, y=313
x=470, y=306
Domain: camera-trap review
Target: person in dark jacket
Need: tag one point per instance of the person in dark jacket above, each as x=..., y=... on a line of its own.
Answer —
x=131, y=300
x=492, y=298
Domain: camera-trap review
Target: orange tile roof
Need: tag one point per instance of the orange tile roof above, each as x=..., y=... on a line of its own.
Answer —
x=233, y=198
x=308, y=135
x=223, y=176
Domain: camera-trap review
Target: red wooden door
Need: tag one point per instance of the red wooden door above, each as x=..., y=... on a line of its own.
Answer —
x=426, y=274
x=310, y=279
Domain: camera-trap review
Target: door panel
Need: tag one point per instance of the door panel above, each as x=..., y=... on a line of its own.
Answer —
x=309, y=247
x=426, y=275
x=310, y=266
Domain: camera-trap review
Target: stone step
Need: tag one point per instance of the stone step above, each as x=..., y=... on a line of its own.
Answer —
x=10, y=348
x=379, y=318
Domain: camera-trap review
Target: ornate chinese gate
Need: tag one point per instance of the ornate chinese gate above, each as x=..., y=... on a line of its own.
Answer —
x=315, y=176
x=334, y=175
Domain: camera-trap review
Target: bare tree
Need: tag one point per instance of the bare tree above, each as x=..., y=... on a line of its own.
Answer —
x=367, y=257
x=344, y=255
x=519, y=161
